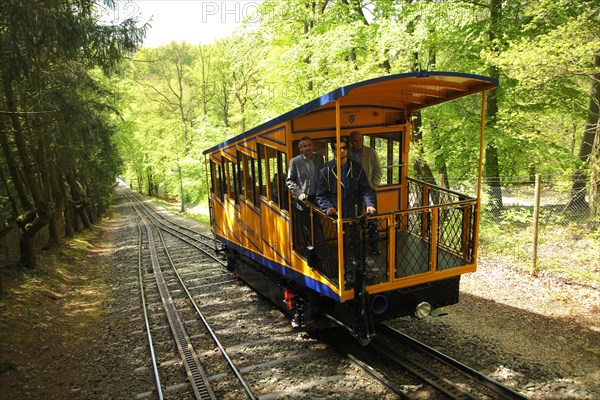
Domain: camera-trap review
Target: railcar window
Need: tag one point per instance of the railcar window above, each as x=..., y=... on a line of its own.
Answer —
x=232, y=189
x=255, y=180
x=236, y=183
x=213, y=179
x=241, y=181
x=248, y=178
x=389, y=149
x=262, y=168
x=218, y=177
x=215, y=187
x=282, y=168
x=273, y=174
x=397, y=162
x=222, y=182
x=272, y=168
x=320, y=146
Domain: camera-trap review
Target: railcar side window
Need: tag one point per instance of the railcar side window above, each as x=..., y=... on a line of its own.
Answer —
x=388, y=146
x=232, y=189
x=273, y=171
x=248, y=178
x=283, y=167
x=213, y=180
x=215, y=173
x=262, y=182
x=273, y=174
x=218, y=180
x=240, y=182
x=389, y=149
x=396, y=158
x=222, y=182
x=255, y=179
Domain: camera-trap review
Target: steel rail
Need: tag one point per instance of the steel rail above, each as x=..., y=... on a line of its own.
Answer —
x=489, y=383
x=144, y=307
x=187, y=239
x=371, y=372
x=429, y=376
x=197, y=377
x=156, y=216
x=215, y=339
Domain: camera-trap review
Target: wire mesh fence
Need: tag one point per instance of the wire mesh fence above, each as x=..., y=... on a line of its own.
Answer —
x=568, y=230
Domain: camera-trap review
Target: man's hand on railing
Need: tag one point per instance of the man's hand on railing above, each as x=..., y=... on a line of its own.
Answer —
x=332, y=212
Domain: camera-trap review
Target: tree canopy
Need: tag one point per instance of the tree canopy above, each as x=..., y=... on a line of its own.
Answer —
x=69, y=125
x=543, y=53
x=57, y=114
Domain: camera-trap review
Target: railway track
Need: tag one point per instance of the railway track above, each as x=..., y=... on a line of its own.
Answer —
x=413, y=370
x=230, y=343
x=443, y=373
x=179, y=308
x=267, y=358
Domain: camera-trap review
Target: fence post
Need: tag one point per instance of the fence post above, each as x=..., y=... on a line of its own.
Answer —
x=536, y=215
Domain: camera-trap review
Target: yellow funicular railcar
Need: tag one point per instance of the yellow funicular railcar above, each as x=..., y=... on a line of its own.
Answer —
x=300, y=258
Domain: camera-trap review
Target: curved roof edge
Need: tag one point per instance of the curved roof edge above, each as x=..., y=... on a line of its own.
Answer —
x=341, y=92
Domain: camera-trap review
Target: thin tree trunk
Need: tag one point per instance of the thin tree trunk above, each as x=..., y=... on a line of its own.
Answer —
x=47, y=186
x=595, y=178
x=590, y=131
x=67, y=210
x=79, y=201
x=492, y=166
x=422, y=169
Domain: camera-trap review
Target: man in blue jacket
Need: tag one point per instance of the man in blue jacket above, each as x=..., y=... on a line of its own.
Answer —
x=369, y=160
x=356, y=190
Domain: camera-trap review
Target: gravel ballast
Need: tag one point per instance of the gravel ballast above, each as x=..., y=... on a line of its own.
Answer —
x=539, y=335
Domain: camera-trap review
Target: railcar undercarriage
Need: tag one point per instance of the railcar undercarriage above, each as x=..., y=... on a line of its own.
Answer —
x=312, y=311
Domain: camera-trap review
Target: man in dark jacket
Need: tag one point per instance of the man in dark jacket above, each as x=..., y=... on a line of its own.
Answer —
x=355, y=186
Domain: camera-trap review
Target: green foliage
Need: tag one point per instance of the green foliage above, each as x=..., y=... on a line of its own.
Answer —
x=62, y=111
x=297, y=50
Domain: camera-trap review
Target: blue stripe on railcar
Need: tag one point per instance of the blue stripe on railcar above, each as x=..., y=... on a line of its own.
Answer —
x=285, y=271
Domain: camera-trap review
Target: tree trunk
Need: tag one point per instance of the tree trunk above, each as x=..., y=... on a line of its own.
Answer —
x=38, y=215
x=91, y=206
x=150, y=184
x=590, y=131
x=76, y=220
x=492, y=166
x=2, y=290
x=67, y=210
x=11, y=199
x=13, y=169
x=595, y=178
x=28, y=251
x=79, y=201
x=422, y=169
x=45, y=173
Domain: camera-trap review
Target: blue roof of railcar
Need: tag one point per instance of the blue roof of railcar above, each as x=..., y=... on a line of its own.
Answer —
x=455, y=84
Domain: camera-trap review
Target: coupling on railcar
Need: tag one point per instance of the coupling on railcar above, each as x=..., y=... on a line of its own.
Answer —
x=397, y=246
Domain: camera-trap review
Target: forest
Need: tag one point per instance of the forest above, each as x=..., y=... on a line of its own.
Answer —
x=83, y=102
